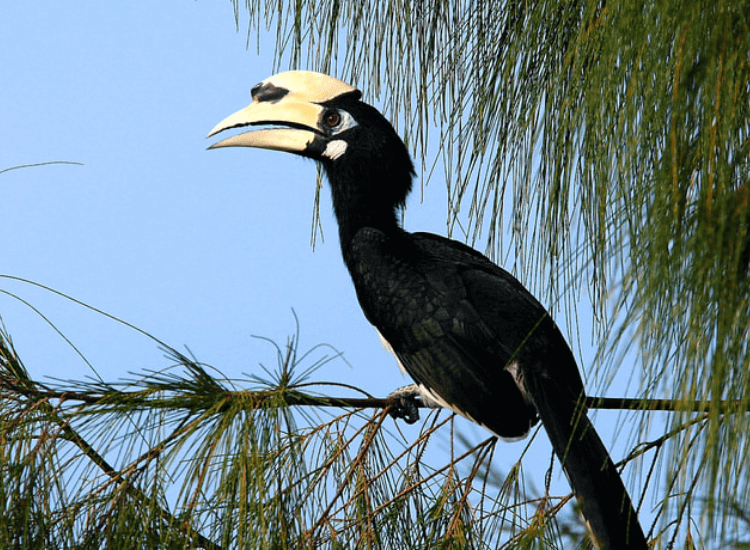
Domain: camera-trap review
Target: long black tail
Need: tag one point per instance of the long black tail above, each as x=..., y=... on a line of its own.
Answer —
x=605, y=502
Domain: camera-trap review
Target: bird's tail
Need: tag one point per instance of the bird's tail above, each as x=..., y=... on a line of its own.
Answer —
x=605, y=503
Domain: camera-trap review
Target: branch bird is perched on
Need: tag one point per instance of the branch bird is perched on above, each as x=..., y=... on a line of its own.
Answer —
x=469, y=334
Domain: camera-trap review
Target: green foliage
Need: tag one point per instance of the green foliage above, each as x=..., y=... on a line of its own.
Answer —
x=184, y=459
x=612, y=141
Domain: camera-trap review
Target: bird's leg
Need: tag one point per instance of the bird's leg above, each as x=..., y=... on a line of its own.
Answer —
x=407, y=400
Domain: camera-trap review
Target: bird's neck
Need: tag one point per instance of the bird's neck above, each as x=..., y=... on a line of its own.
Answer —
x=360, y=206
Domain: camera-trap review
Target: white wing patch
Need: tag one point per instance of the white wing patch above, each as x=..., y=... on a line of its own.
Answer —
x=433, y=400
x=518, y=378
x=335, y=149
x=389, y=349
x=430, y=398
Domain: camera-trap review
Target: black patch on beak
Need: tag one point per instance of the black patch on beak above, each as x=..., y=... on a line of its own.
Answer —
x=268, y=92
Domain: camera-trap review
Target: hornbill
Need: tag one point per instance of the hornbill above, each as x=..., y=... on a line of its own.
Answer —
x=470, y=335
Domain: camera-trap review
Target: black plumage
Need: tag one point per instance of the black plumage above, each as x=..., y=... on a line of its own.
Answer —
x=469, y=334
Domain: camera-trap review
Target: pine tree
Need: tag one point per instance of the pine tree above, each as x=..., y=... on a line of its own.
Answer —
x=596, y=148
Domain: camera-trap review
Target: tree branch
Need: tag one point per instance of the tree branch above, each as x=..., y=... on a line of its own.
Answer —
x=292, y=397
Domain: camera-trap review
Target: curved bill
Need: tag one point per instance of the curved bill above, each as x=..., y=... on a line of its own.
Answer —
x=300, y=118
x=292, y=100
x=278, y=139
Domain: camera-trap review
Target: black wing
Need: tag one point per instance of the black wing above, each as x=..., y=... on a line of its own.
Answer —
x=472, y=335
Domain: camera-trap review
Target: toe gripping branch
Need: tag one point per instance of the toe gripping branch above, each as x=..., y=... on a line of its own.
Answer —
x=405, y=403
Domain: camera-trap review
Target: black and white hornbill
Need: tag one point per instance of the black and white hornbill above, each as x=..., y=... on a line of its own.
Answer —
x=469, y=334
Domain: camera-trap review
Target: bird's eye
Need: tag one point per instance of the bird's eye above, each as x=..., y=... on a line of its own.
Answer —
x=335, y=121
x=332, y=119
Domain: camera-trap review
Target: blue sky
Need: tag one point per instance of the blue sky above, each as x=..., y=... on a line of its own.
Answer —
x=200, y=248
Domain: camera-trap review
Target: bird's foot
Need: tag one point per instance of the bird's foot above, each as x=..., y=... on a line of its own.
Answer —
x=406, y=402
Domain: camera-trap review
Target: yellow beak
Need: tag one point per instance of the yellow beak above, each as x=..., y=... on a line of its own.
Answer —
x=291, y=100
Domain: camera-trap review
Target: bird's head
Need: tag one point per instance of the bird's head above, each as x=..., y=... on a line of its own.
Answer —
x=322, y=118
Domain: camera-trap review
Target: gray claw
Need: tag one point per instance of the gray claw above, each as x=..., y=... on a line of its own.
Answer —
x=407, y=401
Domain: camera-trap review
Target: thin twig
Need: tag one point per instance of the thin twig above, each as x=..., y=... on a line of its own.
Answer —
x=41, y=164
x=27, y=388
x=295, y=398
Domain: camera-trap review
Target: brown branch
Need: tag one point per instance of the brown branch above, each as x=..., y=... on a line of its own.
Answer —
x=27, y=388
x=292, y=397
x=681, y=405
x=368, y=439
x=121, y=478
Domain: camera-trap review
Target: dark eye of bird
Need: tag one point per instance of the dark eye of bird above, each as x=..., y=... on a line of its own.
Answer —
x=332, y=119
